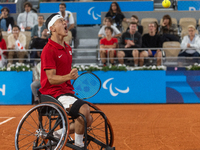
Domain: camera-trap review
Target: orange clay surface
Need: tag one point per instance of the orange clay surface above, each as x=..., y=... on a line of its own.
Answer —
x=136, y=127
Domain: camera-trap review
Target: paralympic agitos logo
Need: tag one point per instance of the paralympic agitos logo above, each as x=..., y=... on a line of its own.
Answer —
x=111, y=88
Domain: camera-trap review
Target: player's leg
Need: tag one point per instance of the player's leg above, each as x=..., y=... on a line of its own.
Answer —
x=120, y=56
x=103, y=56
x=158, y=55
x=111, y=56
x=135, y=54
x=142, y=55
x=79, y=124
x=75, y=106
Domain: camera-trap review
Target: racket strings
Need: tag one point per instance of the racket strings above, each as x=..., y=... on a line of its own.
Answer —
x=86, y=85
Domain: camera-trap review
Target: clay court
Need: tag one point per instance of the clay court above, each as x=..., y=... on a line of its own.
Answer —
x=136, y=127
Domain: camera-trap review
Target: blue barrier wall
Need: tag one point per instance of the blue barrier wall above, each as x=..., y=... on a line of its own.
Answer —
x=191, y=5
x=15, y=87
x=117, y=87
x=90, y=12
x=11, y=7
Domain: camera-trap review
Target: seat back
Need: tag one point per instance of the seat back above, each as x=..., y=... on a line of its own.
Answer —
x=28, y=38
x=145, y=23
x=5, y=36
x=171, y=52
x=185, y=22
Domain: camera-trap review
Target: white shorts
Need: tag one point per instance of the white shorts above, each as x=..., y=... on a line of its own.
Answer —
x=67, y=100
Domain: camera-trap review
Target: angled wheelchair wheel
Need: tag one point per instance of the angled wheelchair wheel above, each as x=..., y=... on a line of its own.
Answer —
x=44, y=126
x=99, y=137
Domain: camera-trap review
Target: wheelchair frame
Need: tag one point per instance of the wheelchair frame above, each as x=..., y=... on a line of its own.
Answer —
x=43, y=138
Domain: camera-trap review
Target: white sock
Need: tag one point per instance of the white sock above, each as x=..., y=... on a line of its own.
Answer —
x=79, y=140
x=58, y=133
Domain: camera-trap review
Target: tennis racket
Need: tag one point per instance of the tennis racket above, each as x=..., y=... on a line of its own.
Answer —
x=86, y=85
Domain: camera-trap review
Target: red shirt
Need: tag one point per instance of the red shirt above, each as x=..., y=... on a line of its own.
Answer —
x=104, y=41
x=3, y=47
x=55, y=56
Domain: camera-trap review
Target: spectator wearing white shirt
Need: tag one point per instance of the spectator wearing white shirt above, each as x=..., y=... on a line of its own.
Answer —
x=68, y=16
x=28, y=18
x=190, y=44
x=108, y=23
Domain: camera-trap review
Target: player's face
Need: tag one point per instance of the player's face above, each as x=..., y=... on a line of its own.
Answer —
x=108, y=23
x=62, y=8
x=108, y=32
x=15, y=30
x=40, y=19
x=191, y=32
x=133, y=27
x=5, y=12
x=133, y=19
x=27, y=8
x=114, y=7
x=61, y=27
x=166, y=21
x=152, y=28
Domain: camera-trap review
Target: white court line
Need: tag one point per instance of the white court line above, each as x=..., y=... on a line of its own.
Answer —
x=9, y=118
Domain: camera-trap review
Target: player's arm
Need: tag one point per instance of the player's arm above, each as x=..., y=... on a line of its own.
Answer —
x=111, y=46
x=58, y=79
x=71, y=26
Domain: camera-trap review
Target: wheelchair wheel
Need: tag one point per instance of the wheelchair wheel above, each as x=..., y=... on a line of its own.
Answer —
x=39, y=126
x=97, y=132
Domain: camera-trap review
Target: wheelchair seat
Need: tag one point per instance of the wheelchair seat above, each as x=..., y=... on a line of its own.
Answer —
x=48, y=98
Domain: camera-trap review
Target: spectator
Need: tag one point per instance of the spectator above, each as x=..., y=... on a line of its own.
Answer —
x=35, y=85
x=2, y=47
x=131, y=39
x=134, y=18
x=168, y=30
x=37, y=29
x=116, y=15
x=5, y=19
x=190, y=44
x=38, y=43
x=108, y=23
x=151, y=40
x=16, y=41
x=108, y=43
x=68, y=16
x=28, y=18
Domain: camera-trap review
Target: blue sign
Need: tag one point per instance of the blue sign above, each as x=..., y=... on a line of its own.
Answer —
x=11, y=7
x=117, y=87
x=131, y=87
x=15, y=87
x=90, y=12
x=189, y=5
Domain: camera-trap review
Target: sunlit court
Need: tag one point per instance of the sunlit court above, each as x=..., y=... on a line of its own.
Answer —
x=99, y=75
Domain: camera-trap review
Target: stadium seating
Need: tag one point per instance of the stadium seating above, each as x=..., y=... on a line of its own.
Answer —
x=169, y=52
x=185, y=22
x=145, y=23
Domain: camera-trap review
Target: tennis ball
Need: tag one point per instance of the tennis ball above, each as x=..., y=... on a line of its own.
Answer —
x=166, y=3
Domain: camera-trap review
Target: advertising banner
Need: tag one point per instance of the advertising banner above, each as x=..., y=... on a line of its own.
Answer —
x=192, y=5
x=15, y=87
x=90, y=12
x=11, y=7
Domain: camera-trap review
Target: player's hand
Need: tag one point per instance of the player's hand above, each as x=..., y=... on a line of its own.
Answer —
x=188, y=45
x=74, y=73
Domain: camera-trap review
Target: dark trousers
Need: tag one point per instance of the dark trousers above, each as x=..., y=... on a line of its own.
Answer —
x=184, y=54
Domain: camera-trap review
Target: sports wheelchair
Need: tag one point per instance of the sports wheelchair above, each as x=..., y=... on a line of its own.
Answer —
x=38, y=127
